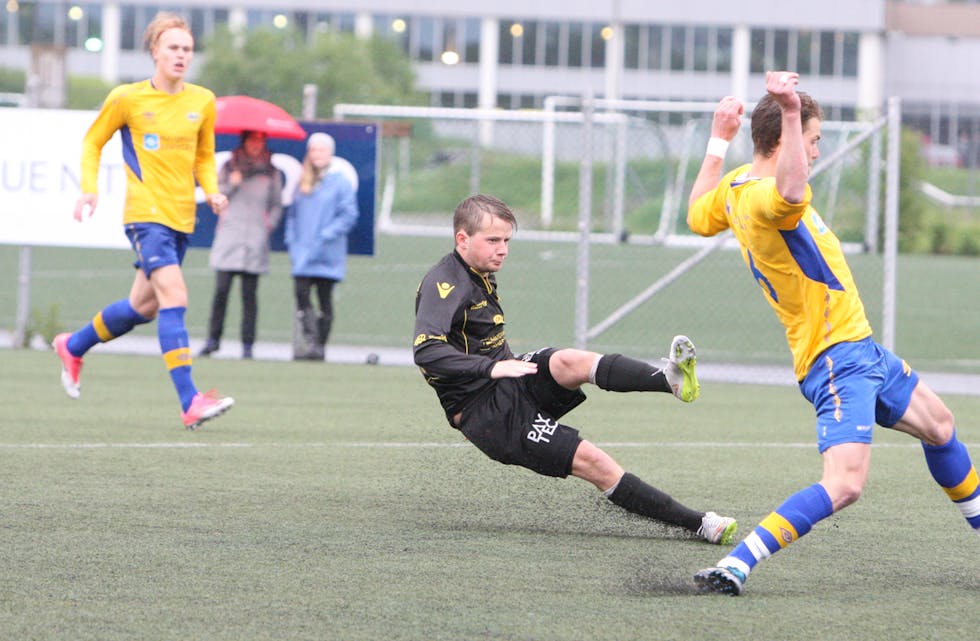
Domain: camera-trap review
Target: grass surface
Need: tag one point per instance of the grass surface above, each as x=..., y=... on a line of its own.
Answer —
x=333, y=502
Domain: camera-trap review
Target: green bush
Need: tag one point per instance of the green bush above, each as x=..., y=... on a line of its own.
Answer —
x=12, y=80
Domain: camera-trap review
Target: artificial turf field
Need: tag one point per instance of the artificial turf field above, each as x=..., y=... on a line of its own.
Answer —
x=333, y=502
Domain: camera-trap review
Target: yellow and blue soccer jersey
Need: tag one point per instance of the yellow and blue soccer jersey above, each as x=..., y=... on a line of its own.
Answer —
x=793, y=256
x=167, y=142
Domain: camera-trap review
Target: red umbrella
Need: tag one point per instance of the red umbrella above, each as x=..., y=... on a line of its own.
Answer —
x=243, y=113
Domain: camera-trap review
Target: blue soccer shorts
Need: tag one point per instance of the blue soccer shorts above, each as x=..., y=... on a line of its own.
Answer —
x=156, y=246
x=855, y=385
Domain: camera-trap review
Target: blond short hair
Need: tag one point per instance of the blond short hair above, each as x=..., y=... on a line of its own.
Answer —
x=161, y=22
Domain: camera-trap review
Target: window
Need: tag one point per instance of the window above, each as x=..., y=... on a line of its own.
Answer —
x=470, y=40
x=757, y=47
x=702, y=49
x=396, y=28
x=827, y=46
x=425, y=40
x=552, y=43
x=723, y=61
x=7, y=33
x=850, y=54
x=655, y=47
x=40, y=29
x=631, y=46
x=128, y=39
x=528, y=42
x=505, y=54
x=678, y=45
x=804, y=52
x=780, y=49
x=597, y=46
x=575, y=48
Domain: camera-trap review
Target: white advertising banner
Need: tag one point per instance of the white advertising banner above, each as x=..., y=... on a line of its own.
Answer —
x=40, y=166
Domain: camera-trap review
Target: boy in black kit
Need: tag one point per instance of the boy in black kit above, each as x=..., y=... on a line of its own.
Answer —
x=508, y=406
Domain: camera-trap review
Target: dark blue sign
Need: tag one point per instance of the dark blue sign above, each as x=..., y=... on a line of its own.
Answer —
x=357, y=143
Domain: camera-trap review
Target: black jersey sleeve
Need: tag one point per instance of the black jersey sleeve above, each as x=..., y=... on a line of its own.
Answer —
x=440, y=304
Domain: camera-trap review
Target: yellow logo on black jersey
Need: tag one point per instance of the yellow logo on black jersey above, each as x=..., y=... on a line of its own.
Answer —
x=445, y=289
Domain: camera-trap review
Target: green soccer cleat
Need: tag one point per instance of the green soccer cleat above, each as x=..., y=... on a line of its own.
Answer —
x=679, y=369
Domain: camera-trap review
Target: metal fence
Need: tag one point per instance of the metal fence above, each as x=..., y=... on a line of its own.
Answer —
x=598, y=172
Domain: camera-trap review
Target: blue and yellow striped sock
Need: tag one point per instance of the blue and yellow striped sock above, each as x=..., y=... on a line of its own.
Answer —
x=790, y=521
x=950, y=465
x=112, y=322
x=175, y=347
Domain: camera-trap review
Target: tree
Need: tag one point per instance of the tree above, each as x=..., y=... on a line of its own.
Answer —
x=274, y=64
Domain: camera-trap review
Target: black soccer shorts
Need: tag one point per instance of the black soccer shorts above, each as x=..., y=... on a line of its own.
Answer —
x=516, y=422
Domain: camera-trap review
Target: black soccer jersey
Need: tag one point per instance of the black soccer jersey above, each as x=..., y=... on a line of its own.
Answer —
x=459, y=331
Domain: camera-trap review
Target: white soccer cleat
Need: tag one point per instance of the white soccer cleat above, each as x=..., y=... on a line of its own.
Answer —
x=679, y=369
x=718, y=529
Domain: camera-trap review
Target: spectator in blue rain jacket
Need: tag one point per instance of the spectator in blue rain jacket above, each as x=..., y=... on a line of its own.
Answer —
x=323, y=213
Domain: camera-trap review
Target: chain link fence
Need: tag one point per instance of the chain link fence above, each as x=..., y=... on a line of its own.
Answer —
x=600, y=189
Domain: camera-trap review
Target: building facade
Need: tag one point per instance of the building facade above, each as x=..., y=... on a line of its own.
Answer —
x=513, y=54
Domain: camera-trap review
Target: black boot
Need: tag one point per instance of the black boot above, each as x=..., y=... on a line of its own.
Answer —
x=210, y=347
x=306, y=337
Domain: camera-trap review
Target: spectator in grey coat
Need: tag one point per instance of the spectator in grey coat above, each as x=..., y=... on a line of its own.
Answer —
x=241, y=239
x=323, y=213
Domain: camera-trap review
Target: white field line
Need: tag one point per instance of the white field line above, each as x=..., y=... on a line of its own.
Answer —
x=413, y=445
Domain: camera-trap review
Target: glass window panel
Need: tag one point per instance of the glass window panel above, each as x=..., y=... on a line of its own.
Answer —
x=655, y=48
x=42, y=27
x=505, y=54
x=723, y=61
x=827, y=53
x=471, y=40
x=780, y=49
x=850, y=61
x=678, y=44
x=6, y=21
x=631, y=46
x=552, y=43
x=702, y=49
x=529, y=43
x=757, y=47
x=804, y=52
x=127, y=24
x=344, y=22
x=198, y=27
x=426, y=39
x=575, y=49
x=469, y=100
x=598, y=46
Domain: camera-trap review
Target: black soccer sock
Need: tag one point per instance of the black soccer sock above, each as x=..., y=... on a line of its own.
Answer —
x=633, y=495
x=618, y=373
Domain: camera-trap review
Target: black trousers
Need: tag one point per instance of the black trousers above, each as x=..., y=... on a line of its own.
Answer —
x=219, y=304
x=304, y=287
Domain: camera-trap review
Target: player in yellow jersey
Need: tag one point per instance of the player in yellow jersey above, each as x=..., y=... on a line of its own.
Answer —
x=851, y=380
x=167, y=130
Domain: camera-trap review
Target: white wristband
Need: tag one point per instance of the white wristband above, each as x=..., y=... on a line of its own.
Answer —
x=717, y=147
